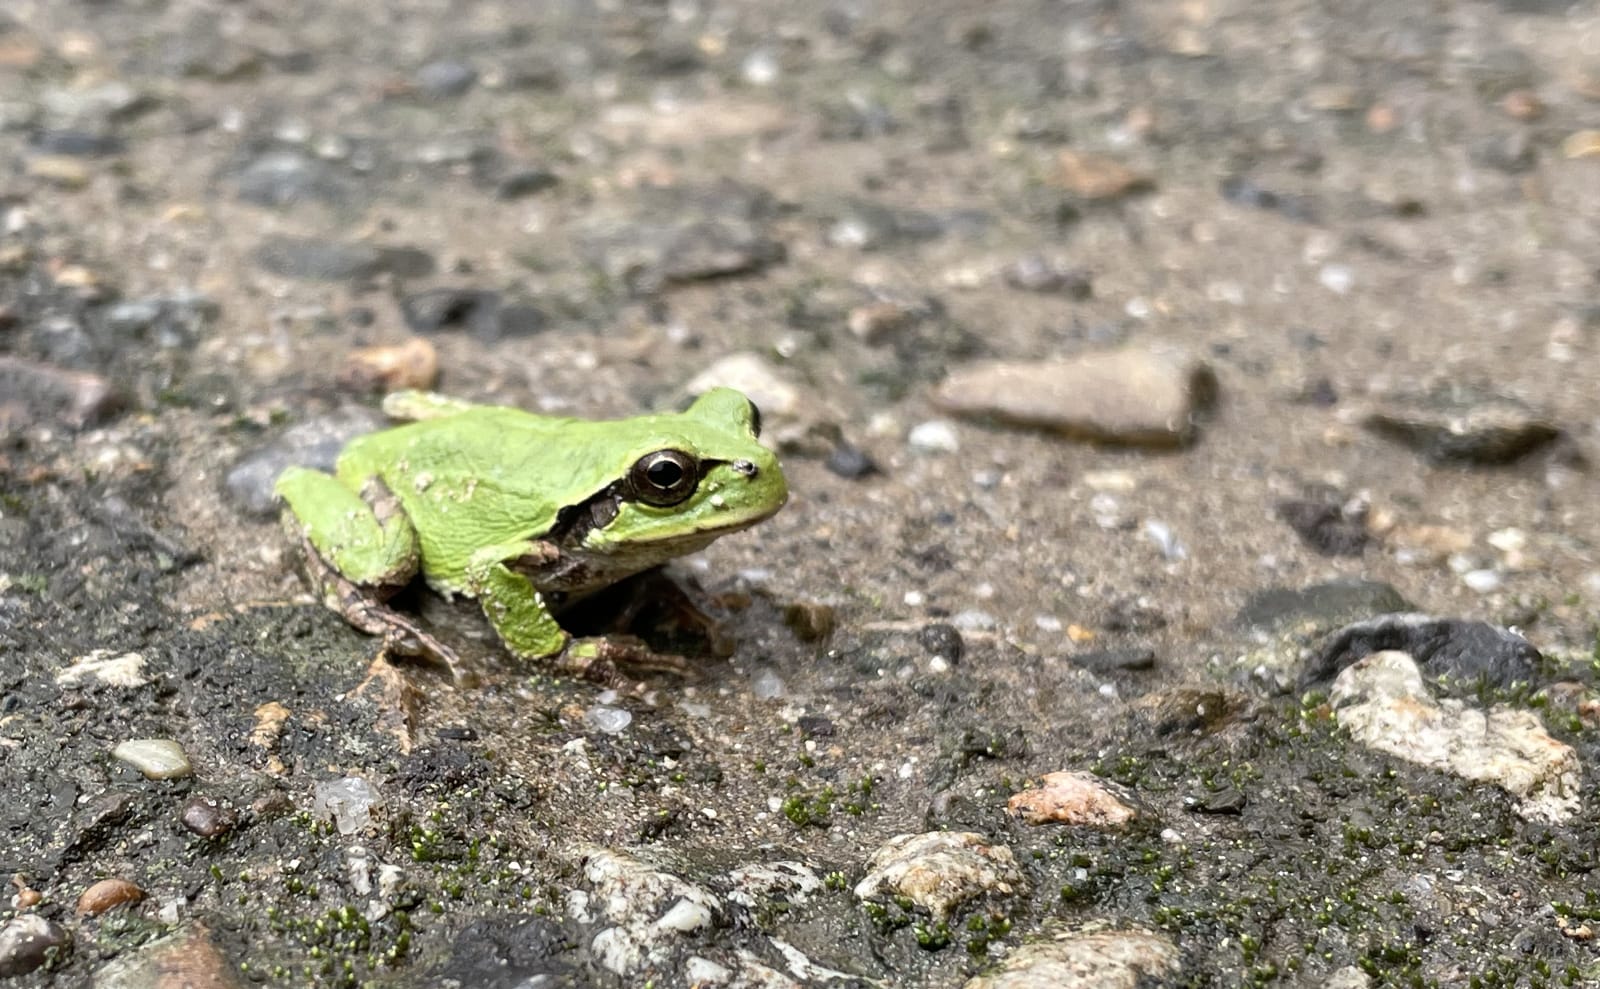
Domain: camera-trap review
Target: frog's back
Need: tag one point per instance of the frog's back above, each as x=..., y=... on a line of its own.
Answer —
x=467, y=480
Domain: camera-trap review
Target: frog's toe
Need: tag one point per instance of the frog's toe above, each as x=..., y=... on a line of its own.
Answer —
x=613, y=660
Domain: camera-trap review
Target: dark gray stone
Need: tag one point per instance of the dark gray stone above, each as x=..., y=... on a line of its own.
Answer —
x=1450, y=649
x=1460, y=426
x=1114, y=660
x=315, y=443
x=1326, y=527
x=851, y=463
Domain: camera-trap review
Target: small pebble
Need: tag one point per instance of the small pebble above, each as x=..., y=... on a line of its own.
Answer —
x=1482, y=581
x=156, y=758
x=943, y=641
x=348, y=801
x=28, y=941
x=934, y=436
x=607, y=720
x=1166, y=540
x=850, y=463
x=810, y=621
x=444, y=79
x=396, y=367
x=878, y=322
x=1138, y=396
x=60, y=171
x=107, y=894
x=1336, y=278
x=1036, y=273
x=1076, y=798
x=1098, y=177
x=768, y=686
x=208, y=818
x=760, y=67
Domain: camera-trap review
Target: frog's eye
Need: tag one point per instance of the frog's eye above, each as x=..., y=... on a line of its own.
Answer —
x=755, y=419
x=662, y=478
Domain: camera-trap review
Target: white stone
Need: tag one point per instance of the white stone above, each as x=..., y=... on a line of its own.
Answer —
x=155, y=758
x=108, y=667
x=939, y=870
x=1384, y=704
x=1122, y=959
x=607, y=720
x=348, y=801
x=646, y=908
x=934, y=436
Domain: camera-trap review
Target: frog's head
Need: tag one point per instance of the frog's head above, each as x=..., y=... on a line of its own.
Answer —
x=685, y=479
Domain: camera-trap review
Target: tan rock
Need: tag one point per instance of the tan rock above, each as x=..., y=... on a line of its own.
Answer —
x=186, y=960
x=1122, y=959
x=939, y=870
x=1072, y=798
x=1134, y=396
x=1098, y=177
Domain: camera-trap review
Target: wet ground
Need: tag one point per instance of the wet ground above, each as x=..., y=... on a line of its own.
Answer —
x=1373, y=230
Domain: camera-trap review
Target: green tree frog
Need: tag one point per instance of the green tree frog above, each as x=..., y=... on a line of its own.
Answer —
x=523, y=513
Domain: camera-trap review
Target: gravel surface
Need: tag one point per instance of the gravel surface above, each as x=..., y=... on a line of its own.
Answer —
x=1140, y=371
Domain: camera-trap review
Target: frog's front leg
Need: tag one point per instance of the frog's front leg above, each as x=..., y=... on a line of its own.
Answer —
x=359, y=549
x=524, y=623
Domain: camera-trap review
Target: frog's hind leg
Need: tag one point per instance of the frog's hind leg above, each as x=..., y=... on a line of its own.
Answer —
x=359, y=549
x=364, y=535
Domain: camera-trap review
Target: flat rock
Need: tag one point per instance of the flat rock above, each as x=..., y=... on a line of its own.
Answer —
x=154, y=758
x=1335, y=601
x=282, y=178
x=1125, y=959
x=1073, y=798
x=1092, y=176
x=1446, y=648
x=1459, y=426
x=1330, y=528
x=1135, y=396
x=939, y=870
x=1384, y=704
x=312, y=259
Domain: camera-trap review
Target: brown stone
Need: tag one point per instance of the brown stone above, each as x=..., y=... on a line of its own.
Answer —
x=1098, y=177
x=107, y=894
x=392, y=367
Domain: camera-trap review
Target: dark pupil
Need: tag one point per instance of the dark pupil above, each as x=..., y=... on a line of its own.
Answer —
x=664, y=474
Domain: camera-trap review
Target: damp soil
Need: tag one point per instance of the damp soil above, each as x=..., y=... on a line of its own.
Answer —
x=581, y=206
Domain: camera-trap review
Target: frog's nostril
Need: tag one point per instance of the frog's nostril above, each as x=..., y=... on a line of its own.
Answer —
x=745, y=467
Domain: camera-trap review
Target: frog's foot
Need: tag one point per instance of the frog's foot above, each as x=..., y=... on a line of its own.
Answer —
x=614, y=661
x=363, y=607
x=657, y=604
